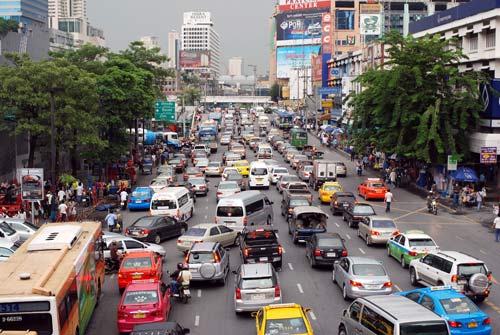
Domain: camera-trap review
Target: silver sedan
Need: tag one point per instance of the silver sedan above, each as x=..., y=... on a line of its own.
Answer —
x=361, y=276
x=227, y=189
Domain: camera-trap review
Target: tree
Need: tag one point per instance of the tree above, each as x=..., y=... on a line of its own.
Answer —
x=7, y=26
x=190, y=95
x=418, y=103
x=275, y=92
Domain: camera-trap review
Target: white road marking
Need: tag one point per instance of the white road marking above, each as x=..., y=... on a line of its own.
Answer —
x=338, y=226
x=348, y=236
x=290, y=266
x=277, y=235
x=206, y=207
x=207, y=199
x=483, y=252
x=196, y=320
x=199, y=293
x=283, y=250
x=311, y=314
x=300, y=288
x=398, y=288
x=362, y=251
x=113, y=276
x=460, y=238
x=206, y=217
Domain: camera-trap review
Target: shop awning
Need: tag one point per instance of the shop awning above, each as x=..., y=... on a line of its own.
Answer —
x=324, y=117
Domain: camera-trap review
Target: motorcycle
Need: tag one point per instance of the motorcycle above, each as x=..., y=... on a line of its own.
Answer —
x=184, y=294
x=432, y=206
x=359, y=169
x=111, y=266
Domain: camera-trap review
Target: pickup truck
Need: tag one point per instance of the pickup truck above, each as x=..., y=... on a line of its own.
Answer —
x=259, y=244
x=201, y=148
x=297, y=189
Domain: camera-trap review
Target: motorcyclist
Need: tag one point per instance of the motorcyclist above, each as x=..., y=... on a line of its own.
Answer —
x=430, y=197
x=184, y=278
x=115, y=254
x=174, y=284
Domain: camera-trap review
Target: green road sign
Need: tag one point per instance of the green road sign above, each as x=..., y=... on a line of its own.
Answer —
x=165, y=111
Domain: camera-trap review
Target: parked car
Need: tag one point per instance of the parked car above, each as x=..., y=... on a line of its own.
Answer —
x=7, y=248
x=325, y=249
x=208, y=261
x=144, y=265
x=361, y=276
x=207, y=232
x=155, y=228
x=23, y=228
x=377, y=229
x=341, y=200
x=140, y=199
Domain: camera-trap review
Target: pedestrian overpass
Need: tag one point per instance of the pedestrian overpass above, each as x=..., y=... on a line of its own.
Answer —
x=237, y=99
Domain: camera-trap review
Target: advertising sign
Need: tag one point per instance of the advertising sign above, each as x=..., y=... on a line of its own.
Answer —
x=326, y=28
x=289, y=59
x=31, y=184
x=370, y=19
x=194, y=59
x=452, y=163
x=286, y=5
x=488, y=155
x=329, y=90
x=165, y=111
x=317, y=68
x=302, y=25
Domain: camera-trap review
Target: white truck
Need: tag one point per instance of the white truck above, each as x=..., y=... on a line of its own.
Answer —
x=323, y=170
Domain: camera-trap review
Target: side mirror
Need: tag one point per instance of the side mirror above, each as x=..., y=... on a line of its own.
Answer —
x=336, y=262
x=421, y=260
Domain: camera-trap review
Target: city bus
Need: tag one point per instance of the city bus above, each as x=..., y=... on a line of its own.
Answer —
x=298, y=138
x=284, y=120
x=52, y=283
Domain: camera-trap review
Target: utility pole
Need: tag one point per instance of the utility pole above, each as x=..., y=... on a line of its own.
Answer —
x=254, y=67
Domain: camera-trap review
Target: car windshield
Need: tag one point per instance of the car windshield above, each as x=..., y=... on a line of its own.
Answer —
x=290, y=178
x=214, y=164
x=330, y=243
x=140, y=194
x=146, y=221
x=22, y=226
x=332, y=188
x=259, y=171
x=252, y=283
x=228, y=186
x=196, y=181
x=202, y=162
x=458, y=305
x=363, y=210
x=7, y=229
x=470, y=269
x=299, y=157
x=163, y=204
x=299, y=202
x=285, y=326
x=345, y=197
x=308, y=168
x=193, y=170
x=421, y=242
x=132, y=263
x=201, y=257
x=229, y=211
x=280, y=171
x=234, y=177
x=383, y=224
x=377, y=185
x=140, y=297
x=195, y=232
x=368, y=270
x=424, y=328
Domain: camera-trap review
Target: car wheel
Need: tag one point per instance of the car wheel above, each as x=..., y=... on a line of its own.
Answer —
x=157, y=239
x=413, y=277
x=342, y=331
x=192, y=212
x=344, y=292
x=403, y=263
x=333, y=276
x=479, y=299
x=269, y=220
x=389, y=251
x=236, y=241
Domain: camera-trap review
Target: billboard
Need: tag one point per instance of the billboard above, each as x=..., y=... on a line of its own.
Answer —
x=194, y=59
x=301, y=25
x=286, y=5
x=488, y=155
x=289, y=59
x=31, y=184
x=370, y=19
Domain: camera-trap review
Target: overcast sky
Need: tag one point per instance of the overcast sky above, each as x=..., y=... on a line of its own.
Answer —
x=243, y=25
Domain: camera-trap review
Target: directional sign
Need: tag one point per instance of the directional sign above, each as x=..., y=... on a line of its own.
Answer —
x=329, y=90
x=165, y=111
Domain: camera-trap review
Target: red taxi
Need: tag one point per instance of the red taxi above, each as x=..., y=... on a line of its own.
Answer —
x=372, y=188
x=143, y=301
x=139, y=265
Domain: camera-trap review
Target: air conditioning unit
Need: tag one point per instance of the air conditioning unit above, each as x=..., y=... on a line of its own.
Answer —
x=55, y=238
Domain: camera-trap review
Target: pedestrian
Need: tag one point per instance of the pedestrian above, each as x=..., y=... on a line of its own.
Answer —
x=123, y=198
x=392, y=177
x=388, y=199
x=456, y=192
x=111, y=220
x=480, y=198
x=63, y=211
x=36, y=213
x=79, y=192
x=53, y=209
x=353, y=154
x=60, y=195
x=496, y=225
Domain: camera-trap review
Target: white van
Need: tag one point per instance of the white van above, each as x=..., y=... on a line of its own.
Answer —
x=265, y=150
x=250, y=208
x=173, y=201
x=259, y=175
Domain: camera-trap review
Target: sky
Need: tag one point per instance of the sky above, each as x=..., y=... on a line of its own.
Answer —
x=243, y=25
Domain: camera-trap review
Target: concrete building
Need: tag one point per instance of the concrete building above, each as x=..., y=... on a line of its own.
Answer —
x=200, y=44
x=235, y=66
x=173, y=48
x=150, y=42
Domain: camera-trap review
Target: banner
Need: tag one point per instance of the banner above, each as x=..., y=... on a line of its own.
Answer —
x=326, y=29
x=194, y=58
x=289, y=59
x=488, y=155
x=370, y=19
x=302, y=25
x=287, y=5
x=316, y=63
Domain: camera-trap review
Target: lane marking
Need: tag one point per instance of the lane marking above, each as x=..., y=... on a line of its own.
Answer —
x=362, y=251
x=348, y=236
x=277, y=235
x=196, y=320
x=300, y=288
x=290, y=266
x=460, y=238
x=207, y=201
x=398, y=288
x=206, y=217
x=311, y=314
x=206, y=207
x=283, y=250
x=410, y=213
x=113, y=275
x=494, y=280
x=199, y=293
x=483, y=252
x=338, y=226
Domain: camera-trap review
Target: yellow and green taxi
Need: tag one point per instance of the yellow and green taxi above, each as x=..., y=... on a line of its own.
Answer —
x=283, y=319
x=410, y=245
x=248, y=136
x=243, y=167
x=328, y=189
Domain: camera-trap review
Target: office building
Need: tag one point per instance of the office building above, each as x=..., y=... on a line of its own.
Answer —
x=200, y=44
x=173, y=47
x=235, y=66
x=150, y=42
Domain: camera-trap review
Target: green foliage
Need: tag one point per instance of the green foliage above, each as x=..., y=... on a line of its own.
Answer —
x=275, y=92
x=418, y=104
x=190, y=95
x=7, y=25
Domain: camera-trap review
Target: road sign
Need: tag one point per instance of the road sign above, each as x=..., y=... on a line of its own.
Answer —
x=452, y=163
x=329, y=90
x=488, y=155
x=31, y=184
x=165, y=111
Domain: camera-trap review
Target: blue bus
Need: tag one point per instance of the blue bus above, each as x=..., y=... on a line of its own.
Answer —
x=217, y=117
x=284, y=120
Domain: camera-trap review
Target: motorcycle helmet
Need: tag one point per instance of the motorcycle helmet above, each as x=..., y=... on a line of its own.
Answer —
x=180, y=266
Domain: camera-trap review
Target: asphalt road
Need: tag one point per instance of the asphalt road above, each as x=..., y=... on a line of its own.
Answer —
x=210, y=311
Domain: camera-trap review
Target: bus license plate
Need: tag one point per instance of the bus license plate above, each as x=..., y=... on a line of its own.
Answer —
x=139, y=315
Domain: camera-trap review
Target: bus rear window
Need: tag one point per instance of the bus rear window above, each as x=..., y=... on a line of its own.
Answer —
x=229, y=211
x=424, y=328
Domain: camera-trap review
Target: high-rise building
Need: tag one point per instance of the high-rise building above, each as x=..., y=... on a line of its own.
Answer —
x=150, y=42
x=200, y=44
x=173, y=47
x=24, y=11
x=235, y=66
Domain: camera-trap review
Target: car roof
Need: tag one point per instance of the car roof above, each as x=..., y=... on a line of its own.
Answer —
x=5, y=243
x=336, y=183
x=363, y=204
x=380, y=218
x=344, y=194
x=458, y=256
x=142, y=188
x=256, y=270
x=205, y=225
x=203, y=246
x=440, y=292
x=415, y=234
x=363, y=260
x=282, y=311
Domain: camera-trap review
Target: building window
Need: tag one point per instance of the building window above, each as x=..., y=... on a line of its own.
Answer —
x=345, y=19
x=490, y=39
x=473, y=42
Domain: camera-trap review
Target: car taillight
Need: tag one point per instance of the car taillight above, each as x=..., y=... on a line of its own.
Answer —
x=236, y=192
x=121, y=275
x=216, y=258
x=455, y=324
x=413, y=253
x=374, y=232
x=290, y=210
x=156, y=313
x=122, y=315
x=335, y=203
x=280, y=249
x=489, y=276
x=129, y=201
x=145, y=232
x=245, y=220
x=238, y=294
x=396, y=233
x=486, y=321
x=454, y=278
x=127, y=231
x=147, y=200
x=179, y=241
x=245, y=252
x=219, y=193
x=388, y=284
x=277, y=292
x=355, y=283
x=344, y=253
x=317, y=252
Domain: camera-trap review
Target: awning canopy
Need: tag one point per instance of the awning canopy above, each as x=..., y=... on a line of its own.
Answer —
x=465, y=174
x=324, y=117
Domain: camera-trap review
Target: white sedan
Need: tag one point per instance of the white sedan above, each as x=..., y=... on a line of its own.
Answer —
x=207, y=232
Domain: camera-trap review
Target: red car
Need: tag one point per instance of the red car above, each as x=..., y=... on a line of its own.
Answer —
x=372, y=188
x=143, y=301
x=139, y=265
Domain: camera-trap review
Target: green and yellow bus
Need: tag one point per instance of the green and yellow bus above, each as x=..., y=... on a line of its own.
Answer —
x=298, y=138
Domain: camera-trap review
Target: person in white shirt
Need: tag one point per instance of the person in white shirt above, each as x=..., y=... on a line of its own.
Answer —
x=63, y=211
x=123, y=198
x=388, y=199
x=60, y=195
x=496, y=225
x=79, y=192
